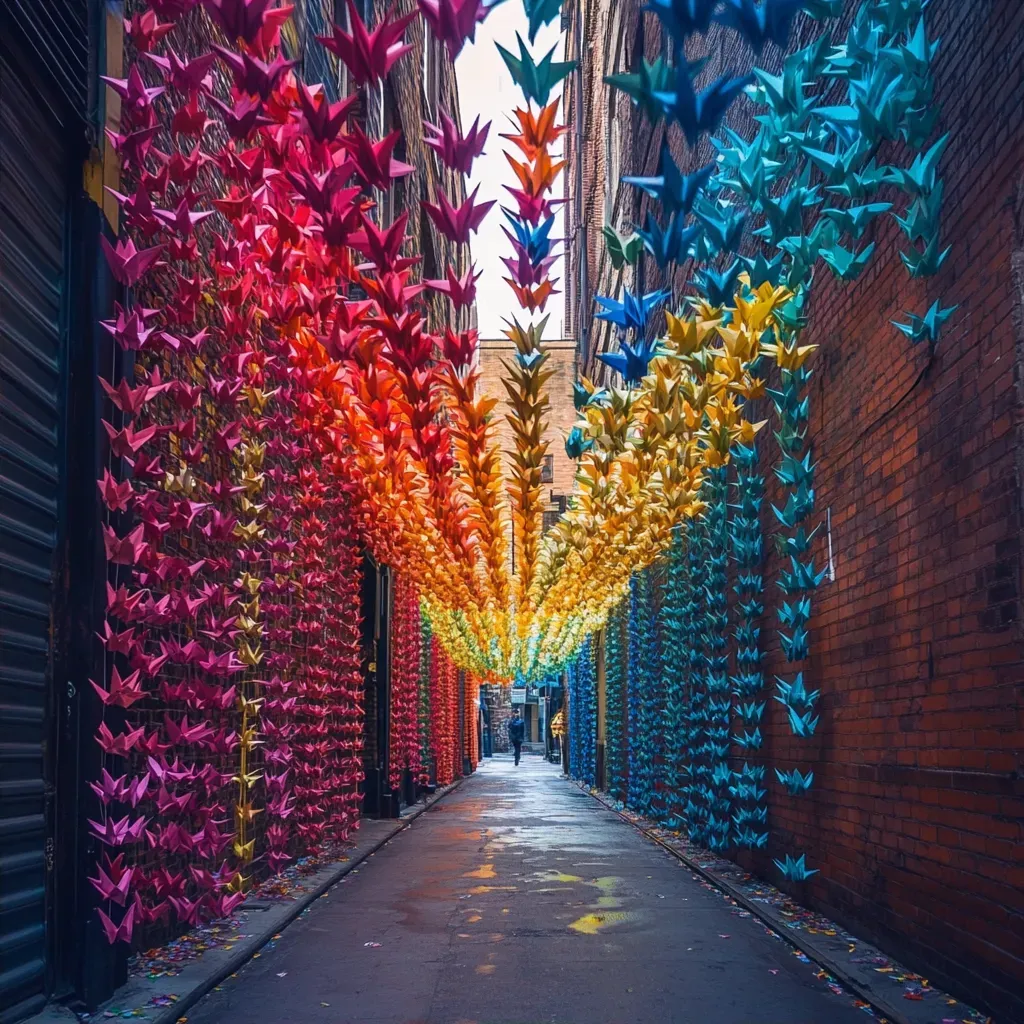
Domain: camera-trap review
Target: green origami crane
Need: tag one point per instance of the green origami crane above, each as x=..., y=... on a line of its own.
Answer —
x=622, y=250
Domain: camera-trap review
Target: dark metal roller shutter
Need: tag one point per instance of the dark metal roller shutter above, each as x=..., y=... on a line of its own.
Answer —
x=55, y=32
x=33, y=202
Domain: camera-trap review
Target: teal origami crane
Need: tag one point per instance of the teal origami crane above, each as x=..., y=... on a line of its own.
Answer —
x=643, y=86
x=794, y=782
x=927, y=327
x=535, y=79
x=795, y=870
x=582, y=398
x=539, y=13
x=670, y=244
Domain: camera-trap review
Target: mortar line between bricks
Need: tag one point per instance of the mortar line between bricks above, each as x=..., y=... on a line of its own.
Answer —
x=776, y=923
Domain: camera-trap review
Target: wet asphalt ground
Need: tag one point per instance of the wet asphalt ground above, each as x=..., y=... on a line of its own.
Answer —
x=519, y=899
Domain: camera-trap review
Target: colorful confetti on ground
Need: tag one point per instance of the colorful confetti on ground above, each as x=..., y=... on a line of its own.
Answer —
x=915, y=988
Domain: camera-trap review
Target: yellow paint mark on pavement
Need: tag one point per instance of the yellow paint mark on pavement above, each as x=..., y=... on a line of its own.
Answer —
x=484, y=871
x=592, y=924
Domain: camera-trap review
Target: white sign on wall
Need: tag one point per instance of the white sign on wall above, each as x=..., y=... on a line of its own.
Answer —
x=518, y=694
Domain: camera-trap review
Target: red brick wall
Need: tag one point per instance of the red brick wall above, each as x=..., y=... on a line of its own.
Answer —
x=915, y=816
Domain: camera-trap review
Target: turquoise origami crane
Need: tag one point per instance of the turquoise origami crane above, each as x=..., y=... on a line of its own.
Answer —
x=794, y=782
x=669, y=244
x=927, y=327
x=795, y=870
x=535, y=79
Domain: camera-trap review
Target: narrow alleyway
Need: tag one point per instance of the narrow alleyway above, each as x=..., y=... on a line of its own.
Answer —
x=520, y=899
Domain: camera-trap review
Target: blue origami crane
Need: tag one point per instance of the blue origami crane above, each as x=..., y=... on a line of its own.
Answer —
x=683, y=18
x=761, y=21
x=582, y=398
x=700, y=112
x=631, y=361
x=632, y=311
x=676, y=192
x=536, y=241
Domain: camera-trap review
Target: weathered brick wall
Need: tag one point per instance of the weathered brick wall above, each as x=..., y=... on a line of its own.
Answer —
x=915, y=816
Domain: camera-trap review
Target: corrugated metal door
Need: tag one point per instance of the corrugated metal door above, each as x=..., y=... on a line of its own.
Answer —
x=33, y=205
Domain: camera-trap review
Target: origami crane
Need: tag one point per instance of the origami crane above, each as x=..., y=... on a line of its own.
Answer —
x=646, y=85
x=252, y=75
x=670, y=244
x=631, y=361
x=535, y=242
x=621, y=249
x=454, y=22
x=700, y=112
x=323, y=119
x=120, y=932
x=455, y=150
x=134, y=92
x=373, y=161
x=536, y=80
x=761, y=21
x=369, y=56
x=682, y=18
x=540, y=13
x=456, y=223
x=794, y=782
x=185, y=76
x=632, y=312
x=537, y=132
x=461, y=290
x=128, y=264
x=145, y=30
x=795, y=870
x=677, y=193
x=246, y=19
x=928, y=327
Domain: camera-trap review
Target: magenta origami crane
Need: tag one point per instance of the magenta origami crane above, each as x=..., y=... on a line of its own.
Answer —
x=457, y=151
x=456, y=223
x=369, y=56
x=454, y=22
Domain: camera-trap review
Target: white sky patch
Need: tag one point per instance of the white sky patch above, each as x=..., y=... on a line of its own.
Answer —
x=486, y=89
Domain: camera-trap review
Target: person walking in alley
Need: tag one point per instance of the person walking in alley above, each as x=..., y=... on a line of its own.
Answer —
x=516, y=735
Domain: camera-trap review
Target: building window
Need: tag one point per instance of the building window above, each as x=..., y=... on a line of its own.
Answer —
x=551, y=520
x=547, y=471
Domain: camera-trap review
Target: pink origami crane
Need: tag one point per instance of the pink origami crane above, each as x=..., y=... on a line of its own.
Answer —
x=457, y=151
x=127, y=263
x=369, y=56
x=456, y=223
x=454, y=22
x=461, y=290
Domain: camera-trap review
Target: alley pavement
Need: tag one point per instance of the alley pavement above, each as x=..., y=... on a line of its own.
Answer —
x=519, y=899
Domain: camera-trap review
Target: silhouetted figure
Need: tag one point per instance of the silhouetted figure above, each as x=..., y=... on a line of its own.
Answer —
x=516, y=735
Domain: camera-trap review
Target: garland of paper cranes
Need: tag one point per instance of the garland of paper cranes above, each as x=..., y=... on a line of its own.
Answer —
x=266, y=426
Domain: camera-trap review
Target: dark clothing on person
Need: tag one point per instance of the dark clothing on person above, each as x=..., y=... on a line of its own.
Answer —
x=516, y=734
